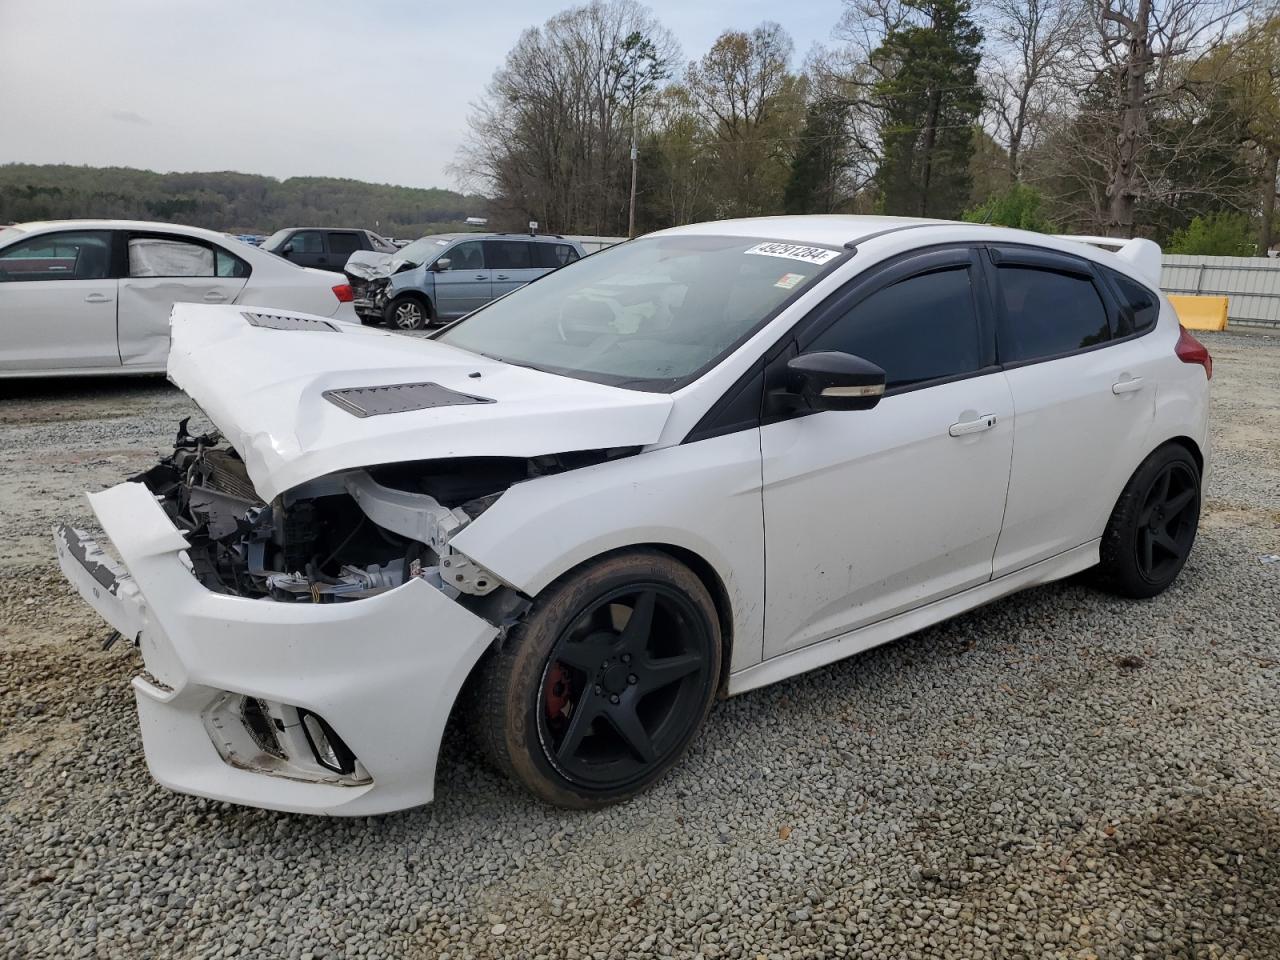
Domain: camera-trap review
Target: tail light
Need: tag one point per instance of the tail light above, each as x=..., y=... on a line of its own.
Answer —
x=1191, y=350
x=344, y=293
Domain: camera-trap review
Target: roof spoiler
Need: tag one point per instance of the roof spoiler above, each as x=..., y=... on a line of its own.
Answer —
x=1145, y=255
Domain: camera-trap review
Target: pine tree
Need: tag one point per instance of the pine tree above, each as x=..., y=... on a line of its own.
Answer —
x=930, y=99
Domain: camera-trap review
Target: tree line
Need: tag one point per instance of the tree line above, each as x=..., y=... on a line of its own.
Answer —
x=234, y=202
x=1156, y=118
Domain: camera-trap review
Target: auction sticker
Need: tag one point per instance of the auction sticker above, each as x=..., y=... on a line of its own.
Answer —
x=794, y=251
x=789, y=280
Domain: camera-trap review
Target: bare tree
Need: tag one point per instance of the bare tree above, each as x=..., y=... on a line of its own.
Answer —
x=1143, y=51
x=549, y=138
x=1029, y=55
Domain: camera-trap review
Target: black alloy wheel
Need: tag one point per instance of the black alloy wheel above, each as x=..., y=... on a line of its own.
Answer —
x=622, y=686
x=603, y=685
x=1153, y=526
x=1167, y=521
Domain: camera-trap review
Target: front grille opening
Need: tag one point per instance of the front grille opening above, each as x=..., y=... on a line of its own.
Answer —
x=258, y=722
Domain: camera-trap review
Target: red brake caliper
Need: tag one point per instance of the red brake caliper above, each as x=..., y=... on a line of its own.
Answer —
x=555, y=693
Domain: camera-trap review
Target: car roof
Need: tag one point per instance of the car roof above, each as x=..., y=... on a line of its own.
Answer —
x=351, y=229
x=834, y=230
x=151, y=226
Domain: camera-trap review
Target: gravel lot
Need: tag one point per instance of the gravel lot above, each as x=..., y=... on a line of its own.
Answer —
x=1060, y=774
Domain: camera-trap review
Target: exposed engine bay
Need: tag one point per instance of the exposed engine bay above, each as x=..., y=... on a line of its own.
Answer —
x=345, y=536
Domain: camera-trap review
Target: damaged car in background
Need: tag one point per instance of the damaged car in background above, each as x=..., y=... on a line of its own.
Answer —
x=550, y=519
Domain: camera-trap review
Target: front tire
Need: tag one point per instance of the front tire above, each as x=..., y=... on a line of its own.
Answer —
x=602, y=687
x=408, y=313
x=1153, y=525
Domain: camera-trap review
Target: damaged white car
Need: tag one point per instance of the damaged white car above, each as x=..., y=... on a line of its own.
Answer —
x=687, y=466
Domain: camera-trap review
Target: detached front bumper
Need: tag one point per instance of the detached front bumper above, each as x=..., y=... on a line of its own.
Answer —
x=382, y=672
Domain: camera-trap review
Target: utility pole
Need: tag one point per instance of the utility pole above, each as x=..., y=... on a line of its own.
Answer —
x=631, y=213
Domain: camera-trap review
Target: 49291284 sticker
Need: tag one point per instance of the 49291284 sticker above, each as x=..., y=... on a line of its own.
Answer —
x=794, y=251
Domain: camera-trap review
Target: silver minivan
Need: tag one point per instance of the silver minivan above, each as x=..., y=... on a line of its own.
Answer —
x=445, y=276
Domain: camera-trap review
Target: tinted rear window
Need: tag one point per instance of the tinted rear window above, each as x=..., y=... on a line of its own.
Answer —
x=1143, y=304
x=1047, y=313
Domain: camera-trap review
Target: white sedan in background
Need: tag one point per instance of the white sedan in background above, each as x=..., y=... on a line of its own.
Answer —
x=93, y=296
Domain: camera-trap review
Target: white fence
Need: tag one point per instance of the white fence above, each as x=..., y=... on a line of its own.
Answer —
x=1250, y=284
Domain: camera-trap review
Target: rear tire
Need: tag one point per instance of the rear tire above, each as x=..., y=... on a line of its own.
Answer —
x=599, y=691
x=1153, y=525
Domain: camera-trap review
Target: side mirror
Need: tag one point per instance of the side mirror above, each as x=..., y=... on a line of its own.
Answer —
x=441, y=265
x=287, y=248
x=835, y=381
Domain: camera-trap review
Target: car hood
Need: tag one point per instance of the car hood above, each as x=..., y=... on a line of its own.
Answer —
x=266, y=379
x=369, y=264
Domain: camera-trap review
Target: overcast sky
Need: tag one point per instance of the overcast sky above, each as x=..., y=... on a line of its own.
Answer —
x=361, y=88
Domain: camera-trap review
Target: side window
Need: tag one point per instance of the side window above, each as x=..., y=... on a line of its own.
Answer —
x=83, y=255
x=229, y=265
x=1047, y=313
x=465, y=256
x=507, y=255
x=343, y=244
x=921, y=328
x=168, y=257
x=1144, y=306
x=553, y=255
x=307, y=241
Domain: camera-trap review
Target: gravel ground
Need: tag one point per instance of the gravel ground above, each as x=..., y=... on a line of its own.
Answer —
x=1060, y=774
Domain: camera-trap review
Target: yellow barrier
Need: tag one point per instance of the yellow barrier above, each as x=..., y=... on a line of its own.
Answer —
x=1201, y=313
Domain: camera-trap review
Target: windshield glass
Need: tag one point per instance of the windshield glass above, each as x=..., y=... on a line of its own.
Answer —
x=9, y=233
x=647, y=313
x=275, y=240
x=422, y=250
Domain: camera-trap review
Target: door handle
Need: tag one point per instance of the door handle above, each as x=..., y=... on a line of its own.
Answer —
x=97, y=298
x=502, y=276
x=213, y=296
x=1130, y=385
x=481, y=276
x=966, y=427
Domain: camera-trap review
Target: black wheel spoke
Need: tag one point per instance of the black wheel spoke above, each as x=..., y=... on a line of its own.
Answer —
x=656, y=674
x=584, y=713
x=1178, y=502
x=580, y=654
x=1146, y=545
x=640, y=623
x=1166, y=542
x=627, y=723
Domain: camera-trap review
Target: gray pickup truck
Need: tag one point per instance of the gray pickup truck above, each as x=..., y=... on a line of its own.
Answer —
x=444, y=276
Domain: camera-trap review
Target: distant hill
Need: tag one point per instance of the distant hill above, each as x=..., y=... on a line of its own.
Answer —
x=234, y=202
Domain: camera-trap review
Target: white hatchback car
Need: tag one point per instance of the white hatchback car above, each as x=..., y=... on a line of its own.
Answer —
x=689, y=465
x=94, y=296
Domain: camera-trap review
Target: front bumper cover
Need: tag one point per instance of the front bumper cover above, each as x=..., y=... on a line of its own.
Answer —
x=383, y=671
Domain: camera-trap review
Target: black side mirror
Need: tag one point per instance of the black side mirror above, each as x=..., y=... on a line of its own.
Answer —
x=835, y=381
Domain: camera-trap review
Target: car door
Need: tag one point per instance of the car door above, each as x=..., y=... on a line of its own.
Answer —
x=512, y=264
x=871, y=513
x=164, y=269
x=341, y=245
x=1084, y=401
x=58, y=300
x=466, y=285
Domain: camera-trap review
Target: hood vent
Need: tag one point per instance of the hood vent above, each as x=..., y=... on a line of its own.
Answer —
x=398, y=398
x=282, y=321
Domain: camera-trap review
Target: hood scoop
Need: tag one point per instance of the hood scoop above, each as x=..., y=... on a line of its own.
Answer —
x=397, y=398
x=282, y=321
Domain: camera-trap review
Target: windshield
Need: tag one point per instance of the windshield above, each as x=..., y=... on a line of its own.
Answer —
x=275, y=240
x=9, y=233
x=422, y=250
x=648, y=313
